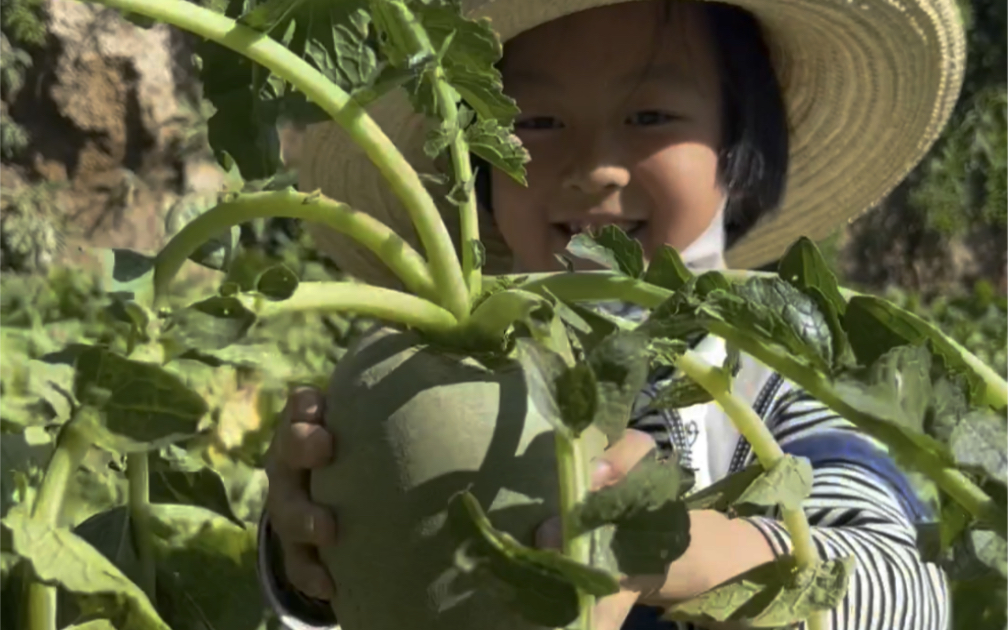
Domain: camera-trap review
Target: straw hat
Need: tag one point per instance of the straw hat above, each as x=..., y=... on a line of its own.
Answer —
x=868, y=86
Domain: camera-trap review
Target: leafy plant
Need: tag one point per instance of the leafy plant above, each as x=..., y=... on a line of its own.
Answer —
x=24, y=21
x=935, y=405
x=33, y=226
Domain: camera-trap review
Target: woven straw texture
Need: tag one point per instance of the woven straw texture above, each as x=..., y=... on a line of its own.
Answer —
x=868, y=86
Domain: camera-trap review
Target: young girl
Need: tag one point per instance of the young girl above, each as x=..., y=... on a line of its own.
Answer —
x=681, y=123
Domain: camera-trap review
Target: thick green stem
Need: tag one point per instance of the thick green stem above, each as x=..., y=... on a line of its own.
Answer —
x=402, y=259
x=362, y=299
x=71, y=448
x=766, y=449
x=492, y=318
x=607, y=285
x=138, y=477
x=590, y=286
x=573, y=473
x=401, y=177
x=468, y=219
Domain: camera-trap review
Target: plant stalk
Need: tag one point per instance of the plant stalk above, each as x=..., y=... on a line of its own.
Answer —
x=345, y=297
x=573, y=473
x=948, y=478
x=71, y=448
x=401, y=258
x=138, y=477
x=997, y=387
x=401, y=177
x=589, y=286
x=607, y=285
x=498, y=312
x=468, y=217
x=768, y=452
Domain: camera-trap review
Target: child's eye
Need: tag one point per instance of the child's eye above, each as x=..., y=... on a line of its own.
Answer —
x=650, y=117
x=539, y=123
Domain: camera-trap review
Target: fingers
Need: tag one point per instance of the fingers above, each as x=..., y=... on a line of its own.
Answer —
x=302, y=439
x=608, y=468
x=548, y=534
x=610, y=612
x=620, y=458
x=306, y=572
x=296, y=519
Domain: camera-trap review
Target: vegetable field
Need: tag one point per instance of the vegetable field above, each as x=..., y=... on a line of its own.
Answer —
x=136, y=412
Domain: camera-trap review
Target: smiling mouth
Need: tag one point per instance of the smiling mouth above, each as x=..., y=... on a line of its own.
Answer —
x=572, y=228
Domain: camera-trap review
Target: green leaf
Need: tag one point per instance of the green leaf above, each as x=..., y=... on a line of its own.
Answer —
x=146, y=407
x=981, y=604
x=779, y=312
x=268, y=14
x=979, y=443
x=787, y=483
x=876, y=326
x=129, y=275
x=590, y=326
x=277, y=282
x=204, y=562
x=478, y=253
x=667, y=270
x=333, y=37
x=499, y=146
x=174, y=478
x=724, y=493
x=57, y=556
x=772, y=595
x=211, y=324
x=470, y=58
x=542, y=369
x=804, y=267
x=205, y=565
x=894, y=396
x=652, y=525
x=577, y=395
x=978, y=554
x=680, y=392
x=620, y=365
x=541, y=585
x=611, y=248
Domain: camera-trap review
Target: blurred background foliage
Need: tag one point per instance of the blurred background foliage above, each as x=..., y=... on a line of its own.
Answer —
x=937, y=246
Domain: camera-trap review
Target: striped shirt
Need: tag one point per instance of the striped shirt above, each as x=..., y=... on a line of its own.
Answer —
x=861, y=505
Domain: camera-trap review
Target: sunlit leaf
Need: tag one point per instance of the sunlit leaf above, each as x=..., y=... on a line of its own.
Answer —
x=772, y=595
x=58, y=556
x=620, y=365
x=652, y=524
x=667, y=269
x=542, y=585
x=610, y=247
x=144, y=407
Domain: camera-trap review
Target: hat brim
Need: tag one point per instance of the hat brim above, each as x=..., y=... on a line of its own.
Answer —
x=868, y=86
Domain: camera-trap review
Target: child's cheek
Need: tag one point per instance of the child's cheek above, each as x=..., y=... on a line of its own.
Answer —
x=519, y=217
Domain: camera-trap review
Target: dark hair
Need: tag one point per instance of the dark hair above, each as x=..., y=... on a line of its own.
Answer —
x=753, y=158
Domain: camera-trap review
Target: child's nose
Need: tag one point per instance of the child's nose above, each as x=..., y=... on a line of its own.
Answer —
x=599, y=179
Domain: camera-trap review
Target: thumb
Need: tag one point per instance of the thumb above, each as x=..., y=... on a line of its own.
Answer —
x=620, y=458
x=611, y=612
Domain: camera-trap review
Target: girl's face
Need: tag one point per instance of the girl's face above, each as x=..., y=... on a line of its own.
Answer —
x=620, y=112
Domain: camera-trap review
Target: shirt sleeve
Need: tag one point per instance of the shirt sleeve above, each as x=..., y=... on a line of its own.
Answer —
x=294, y=610
x=863, y=506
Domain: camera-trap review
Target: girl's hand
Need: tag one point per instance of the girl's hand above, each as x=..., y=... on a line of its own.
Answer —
x=301, y=443
x=610, y=612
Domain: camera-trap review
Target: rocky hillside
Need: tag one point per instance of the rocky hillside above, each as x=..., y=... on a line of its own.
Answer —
x=107, y=133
